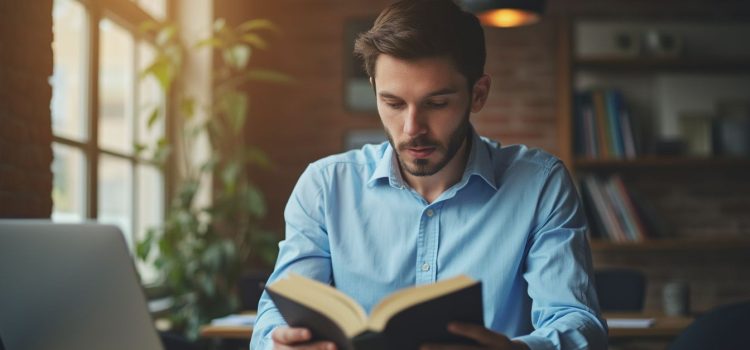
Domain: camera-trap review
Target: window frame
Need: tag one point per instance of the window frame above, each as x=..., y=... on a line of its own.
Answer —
x=128, y=15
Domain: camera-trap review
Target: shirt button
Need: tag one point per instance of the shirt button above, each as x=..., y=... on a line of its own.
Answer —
x=425, y=267
x=430, y=213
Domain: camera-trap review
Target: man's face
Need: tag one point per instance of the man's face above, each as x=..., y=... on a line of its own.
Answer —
x=424, y=105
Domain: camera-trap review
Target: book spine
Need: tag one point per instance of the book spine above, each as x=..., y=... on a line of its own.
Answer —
x=603, y=208
x=613, y=113
x=621, y=210
x=602, y=125
x=640, y=227
x=628, y=135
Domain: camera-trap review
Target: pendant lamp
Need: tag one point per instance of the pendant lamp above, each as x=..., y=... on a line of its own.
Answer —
x=506, y=13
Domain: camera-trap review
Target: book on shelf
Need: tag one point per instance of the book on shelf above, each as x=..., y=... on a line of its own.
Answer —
x=403, y=320
x=604, y=128
x=612, y=210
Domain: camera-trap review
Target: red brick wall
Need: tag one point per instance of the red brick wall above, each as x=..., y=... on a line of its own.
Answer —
x=300, y=123
x=25, y=129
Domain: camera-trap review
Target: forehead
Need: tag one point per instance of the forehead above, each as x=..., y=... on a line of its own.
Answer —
x=418, y=76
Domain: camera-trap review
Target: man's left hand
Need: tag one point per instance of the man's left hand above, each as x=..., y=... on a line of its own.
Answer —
x=486, y=338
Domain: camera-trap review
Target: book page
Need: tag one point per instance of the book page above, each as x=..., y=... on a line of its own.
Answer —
x=405, y=298
x=324, y=299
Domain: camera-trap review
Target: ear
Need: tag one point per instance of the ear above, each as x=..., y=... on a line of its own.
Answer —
x=479, y=93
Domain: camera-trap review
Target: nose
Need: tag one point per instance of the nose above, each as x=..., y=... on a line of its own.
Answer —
x=413, y=123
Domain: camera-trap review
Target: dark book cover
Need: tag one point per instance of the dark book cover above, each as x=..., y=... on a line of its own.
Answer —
x=425, y=322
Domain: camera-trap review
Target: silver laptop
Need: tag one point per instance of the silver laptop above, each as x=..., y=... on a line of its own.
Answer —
x=70, y=286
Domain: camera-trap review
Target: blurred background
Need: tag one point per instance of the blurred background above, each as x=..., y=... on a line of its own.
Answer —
x=192, y=120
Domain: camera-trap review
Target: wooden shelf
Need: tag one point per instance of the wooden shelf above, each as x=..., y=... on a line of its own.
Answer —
x=674, y=244
x=661, y=162
x=656, y=64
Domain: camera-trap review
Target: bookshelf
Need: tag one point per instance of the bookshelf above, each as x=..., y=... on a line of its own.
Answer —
x=637, y=75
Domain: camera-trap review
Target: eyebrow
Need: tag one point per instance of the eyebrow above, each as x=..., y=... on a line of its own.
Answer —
x=445, y=91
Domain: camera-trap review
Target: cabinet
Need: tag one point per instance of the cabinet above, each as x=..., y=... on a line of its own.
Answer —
x=688, y=103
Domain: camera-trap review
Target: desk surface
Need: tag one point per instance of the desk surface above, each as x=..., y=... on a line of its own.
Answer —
x=227, y=332
x=664, y=327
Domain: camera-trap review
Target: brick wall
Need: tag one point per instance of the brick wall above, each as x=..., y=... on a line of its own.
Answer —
x=300, y=123
x=25, y=129
x=303, y=122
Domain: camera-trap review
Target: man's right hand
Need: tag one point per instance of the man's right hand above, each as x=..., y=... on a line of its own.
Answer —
x=297, y=338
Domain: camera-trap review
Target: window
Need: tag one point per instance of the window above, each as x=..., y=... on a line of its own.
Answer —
x=99, y=111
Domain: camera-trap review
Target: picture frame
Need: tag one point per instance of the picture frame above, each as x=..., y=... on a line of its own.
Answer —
x=358, y=92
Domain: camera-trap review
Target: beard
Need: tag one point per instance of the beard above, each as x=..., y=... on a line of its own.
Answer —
x=423, y=167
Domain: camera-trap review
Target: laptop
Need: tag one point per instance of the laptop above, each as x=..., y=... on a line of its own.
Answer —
x=70, y=286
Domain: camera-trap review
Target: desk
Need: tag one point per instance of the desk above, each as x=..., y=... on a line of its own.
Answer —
x=227, y=332
x=666, y=327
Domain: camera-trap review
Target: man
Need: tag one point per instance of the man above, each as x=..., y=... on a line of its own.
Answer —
x=437, y=200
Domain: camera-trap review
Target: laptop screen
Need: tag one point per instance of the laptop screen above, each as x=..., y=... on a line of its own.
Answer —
x=70, y=286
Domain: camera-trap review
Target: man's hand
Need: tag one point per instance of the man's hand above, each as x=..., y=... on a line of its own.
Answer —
x=297, y=338
x=486, y=338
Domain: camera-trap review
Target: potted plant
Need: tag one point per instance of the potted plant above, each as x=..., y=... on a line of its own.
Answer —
x=201, y=250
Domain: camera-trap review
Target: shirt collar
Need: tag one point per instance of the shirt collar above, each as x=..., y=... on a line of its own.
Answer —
x=479, y=164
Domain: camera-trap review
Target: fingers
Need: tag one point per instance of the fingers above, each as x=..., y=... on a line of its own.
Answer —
x=288, y=335
x=295, y=338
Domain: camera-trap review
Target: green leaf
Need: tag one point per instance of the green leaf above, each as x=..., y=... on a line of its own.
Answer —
x=138, y=148
x=254, y=40
x=187, y=107
x=229, y=175
x=166, y=35
x=148, y=26
x=212, y=42
x=268, y=76
x=234, y=105
x=219, y=24
x=237, y=56
x=255, y=202
x=143, y=248
x=254, y=155
x=257, y=24
x=163, y=71
x=153, y=117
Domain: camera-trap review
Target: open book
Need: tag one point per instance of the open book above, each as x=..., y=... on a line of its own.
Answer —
x=403, y=320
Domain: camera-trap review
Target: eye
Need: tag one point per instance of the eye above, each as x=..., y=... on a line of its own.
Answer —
x=437, y=104
x=394, y=105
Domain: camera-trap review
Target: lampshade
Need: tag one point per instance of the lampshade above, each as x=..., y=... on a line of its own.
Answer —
x=506, y=13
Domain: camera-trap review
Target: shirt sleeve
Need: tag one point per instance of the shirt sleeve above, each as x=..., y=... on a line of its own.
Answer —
x=304, y=250
x=558, y=269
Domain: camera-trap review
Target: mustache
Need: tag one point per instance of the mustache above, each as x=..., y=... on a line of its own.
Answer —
x=421, y=141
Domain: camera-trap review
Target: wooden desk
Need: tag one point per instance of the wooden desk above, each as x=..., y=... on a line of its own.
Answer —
x=227, y=332
x=665, y=327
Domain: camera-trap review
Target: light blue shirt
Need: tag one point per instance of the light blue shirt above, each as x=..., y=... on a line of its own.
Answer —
x=513, y=221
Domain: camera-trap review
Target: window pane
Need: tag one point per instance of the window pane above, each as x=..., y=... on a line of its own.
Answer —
x=116, y=75
x=149, y=98
x=69, y=77
x=150, y=211
x=68, y=184
x=156, y=8
x=116, y=194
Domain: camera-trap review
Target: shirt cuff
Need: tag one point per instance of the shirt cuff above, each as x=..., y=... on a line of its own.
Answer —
x=536, y=342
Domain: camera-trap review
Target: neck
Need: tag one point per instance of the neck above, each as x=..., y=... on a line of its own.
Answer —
x=431, y=187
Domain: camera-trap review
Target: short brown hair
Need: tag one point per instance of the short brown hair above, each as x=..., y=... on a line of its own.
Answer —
x=413, y=29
